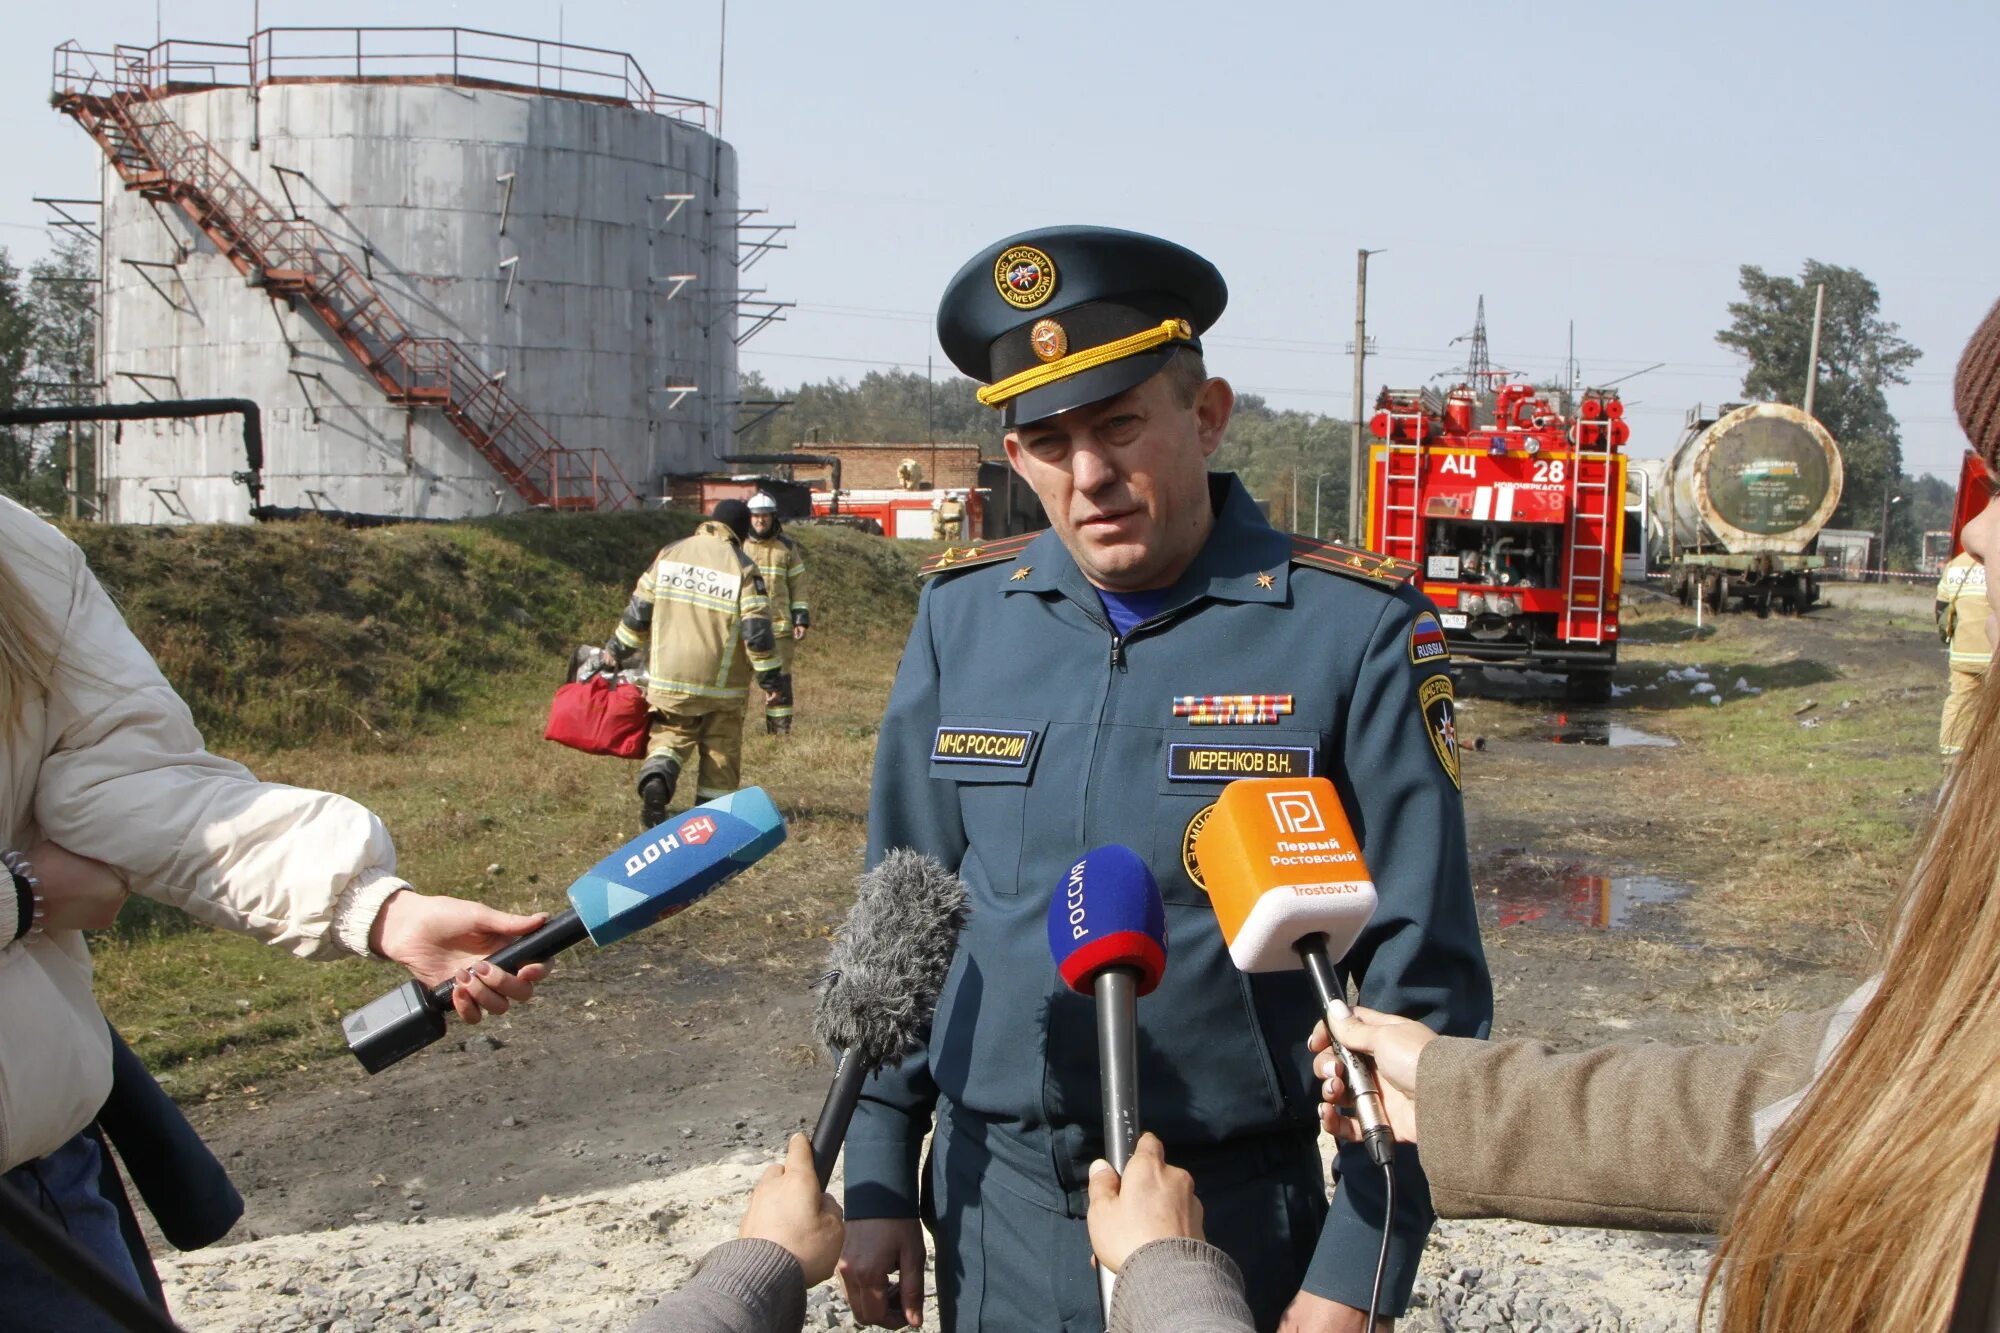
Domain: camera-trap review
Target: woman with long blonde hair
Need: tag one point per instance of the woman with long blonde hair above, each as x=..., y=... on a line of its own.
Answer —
x=105, y=786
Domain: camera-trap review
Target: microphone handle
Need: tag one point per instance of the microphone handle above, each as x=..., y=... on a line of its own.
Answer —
x=1376, y=1135
x=1117, y=991
x=834, y=1116
x=558, y=933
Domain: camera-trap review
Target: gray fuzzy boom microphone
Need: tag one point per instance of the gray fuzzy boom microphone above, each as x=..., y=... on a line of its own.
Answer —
x=884, y=972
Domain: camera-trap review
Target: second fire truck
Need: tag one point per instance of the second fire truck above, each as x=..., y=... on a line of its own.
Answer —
x=1511, y=501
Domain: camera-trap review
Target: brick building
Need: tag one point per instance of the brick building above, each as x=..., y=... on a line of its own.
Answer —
x=872, y=467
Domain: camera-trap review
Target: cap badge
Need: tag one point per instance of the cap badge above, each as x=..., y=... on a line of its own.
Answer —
x=1048, y=339
x=1025, y=277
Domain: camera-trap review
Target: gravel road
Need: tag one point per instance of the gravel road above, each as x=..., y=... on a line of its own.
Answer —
x=592, y=1261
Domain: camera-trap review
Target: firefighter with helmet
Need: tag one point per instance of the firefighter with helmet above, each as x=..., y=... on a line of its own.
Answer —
x=783, y=565
x=948, y=516
x=702, y=619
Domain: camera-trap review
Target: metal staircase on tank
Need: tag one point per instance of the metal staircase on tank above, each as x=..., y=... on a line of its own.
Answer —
x=156, y=156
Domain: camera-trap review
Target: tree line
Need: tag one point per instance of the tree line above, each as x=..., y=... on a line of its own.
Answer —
x=1282, y=454
x=1294, y=461
x=48, y=358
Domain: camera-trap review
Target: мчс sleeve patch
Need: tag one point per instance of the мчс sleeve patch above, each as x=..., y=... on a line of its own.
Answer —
x=1441, y=723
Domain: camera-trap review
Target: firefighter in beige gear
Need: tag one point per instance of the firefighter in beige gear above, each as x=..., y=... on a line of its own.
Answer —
x=1961, y=621
x=702, y=616
x=948, y=516
x=783, y=565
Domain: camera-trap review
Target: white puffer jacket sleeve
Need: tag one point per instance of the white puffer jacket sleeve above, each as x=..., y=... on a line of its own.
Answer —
x=125, y=777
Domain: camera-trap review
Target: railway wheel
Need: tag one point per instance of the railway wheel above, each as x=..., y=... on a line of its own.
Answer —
x=1764, y=605
x=1718, y=592
x=1684, y=589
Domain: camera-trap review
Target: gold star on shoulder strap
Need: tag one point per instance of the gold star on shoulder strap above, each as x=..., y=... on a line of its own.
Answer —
x=1021, y=573
x=1266, y=581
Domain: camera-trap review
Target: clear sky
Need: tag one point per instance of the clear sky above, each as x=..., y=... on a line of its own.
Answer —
x=1607, y=163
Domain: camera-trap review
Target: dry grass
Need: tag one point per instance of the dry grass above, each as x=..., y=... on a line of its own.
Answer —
x=475, y=786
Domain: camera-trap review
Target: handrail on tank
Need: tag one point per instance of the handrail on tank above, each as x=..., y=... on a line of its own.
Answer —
x=277, y=55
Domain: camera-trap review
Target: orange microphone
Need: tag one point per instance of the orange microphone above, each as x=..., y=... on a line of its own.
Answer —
x=1284, y=872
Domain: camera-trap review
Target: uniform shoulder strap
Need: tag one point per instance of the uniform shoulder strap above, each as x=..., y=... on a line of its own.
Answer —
x=1369, y=566
x=953, y=558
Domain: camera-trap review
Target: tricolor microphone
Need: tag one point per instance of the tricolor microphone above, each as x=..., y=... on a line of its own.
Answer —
x=1108, y=935
x=1285, y=874
x=883, y=975
x=662, y=871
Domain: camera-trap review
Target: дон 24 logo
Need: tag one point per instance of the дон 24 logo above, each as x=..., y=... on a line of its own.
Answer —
x=693, y=833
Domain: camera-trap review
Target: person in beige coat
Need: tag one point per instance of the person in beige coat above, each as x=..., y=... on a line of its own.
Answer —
x=106, y=787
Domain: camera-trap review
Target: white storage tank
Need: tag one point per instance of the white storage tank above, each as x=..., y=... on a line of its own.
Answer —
x=572, y=253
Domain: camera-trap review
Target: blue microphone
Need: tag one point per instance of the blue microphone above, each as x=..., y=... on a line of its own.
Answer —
x=665, y=870
x=1108, y=935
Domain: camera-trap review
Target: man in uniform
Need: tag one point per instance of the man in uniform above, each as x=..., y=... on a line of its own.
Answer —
x=783, y=567
x=1961, y=621
x=701, y=614
x=1079, y=687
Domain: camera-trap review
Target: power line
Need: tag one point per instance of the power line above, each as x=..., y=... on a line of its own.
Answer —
x=1307, y=346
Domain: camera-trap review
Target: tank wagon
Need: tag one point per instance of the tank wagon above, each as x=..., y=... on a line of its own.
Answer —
x=1738, y=503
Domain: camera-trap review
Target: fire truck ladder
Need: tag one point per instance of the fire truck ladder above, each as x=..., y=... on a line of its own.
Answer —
x=1591, y=527
x=157, y=157
x=1402, y=526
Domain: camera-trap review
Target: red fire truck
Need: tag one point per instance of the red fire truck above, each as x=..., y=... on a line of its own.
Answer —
x=1512, y=503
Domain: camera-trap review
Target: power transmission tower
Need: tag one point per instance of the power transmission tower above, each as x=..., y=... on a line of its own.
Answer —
x=1478, y=365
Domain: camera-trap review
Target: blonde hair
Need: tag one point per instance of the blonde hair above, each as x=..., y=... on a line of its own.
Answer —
x=1860, y=1211
x=27, y=649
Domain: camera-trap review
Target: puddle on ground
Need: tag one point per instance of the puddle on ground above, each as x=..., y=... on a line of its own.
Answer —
x=1516, y=888
x=1590, y=728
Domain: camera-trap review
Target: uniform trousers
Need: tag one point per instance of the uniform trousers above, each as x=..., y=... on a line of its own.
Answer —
x=712, y=728
x=1957, y=717
x=1006, y=1262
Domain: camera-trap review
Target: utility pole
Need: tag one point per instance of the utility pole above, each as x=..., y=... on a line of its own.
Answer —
x=1357, y=466
x=1812, y=360
x=1882, y=556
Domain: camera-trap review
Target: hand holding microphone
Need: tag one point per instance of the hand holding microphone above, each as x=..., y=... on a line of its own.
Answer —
x=1393, y=1046
x=1147, y=1201
x=1284, y=871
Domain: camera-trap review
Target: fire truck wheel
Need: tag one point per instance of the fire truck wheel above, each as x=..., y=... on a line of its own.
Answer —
x=1587, y=687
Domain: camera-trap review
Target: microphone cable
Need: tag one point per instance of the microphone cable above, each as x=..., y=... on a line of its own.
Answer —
x=1361, y=1086
x=1382, y=1255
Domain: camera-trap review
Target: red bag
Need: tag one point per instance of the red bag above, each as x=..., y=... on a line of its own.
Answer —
x=598, y=717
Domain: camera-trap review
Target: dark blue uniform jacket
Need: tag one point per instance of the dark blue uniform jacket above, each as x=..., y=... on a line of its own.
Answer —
x=1021, y=733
